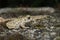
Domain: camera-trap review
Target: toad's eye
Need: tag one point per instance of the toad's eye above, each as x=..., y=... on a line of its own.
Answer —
x=28, y=17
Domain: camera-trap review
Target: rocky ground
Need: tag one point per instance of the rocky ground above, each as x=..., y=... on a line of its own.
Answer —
x=30, y=27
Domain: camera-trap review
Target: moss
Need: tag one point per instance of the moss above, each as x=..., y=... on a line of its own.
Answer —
x=14, y=37
x=57, y=25
x=58, y=38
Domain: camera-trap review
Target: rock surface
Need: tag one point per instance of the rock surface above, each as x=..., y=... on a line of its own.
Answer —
x=30, y=27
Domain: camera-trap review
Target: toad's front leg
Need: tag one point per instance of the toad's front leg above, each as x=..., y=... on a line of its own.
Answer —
x=23, y=26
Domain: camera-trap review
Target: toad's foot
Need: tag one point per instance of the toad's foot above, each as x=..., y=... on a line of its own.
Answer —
x=24, y=27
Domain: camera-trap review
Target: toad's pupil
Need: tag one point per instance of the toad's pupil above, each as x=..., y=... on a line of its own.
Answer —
x=28, y=17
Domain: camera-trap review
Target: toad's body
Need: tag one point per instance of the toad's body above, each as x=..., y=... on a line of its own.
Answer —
x=18, y=22
x=21, y=22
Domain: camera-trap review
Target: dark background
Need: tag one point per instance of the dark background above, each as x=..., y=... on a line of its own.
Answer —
x=29, y=3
